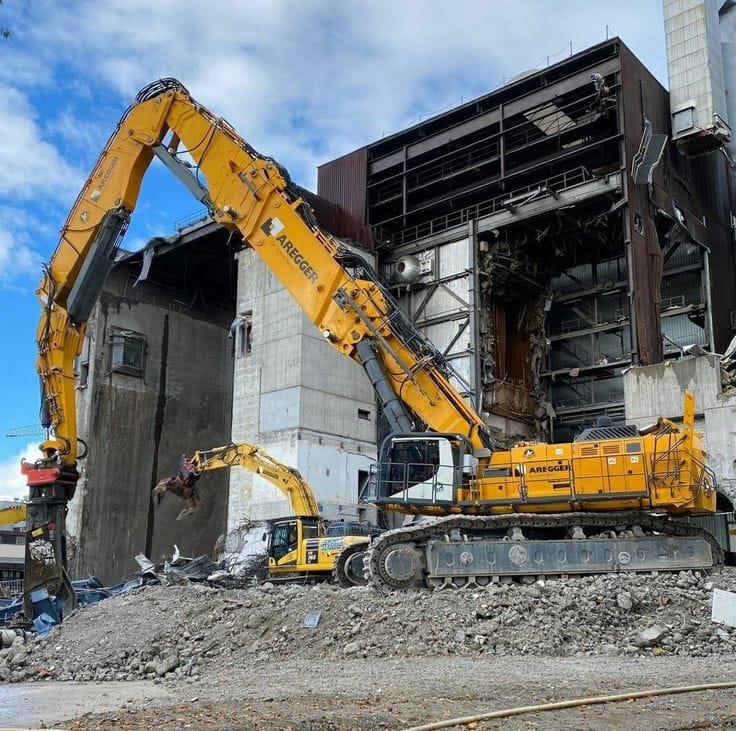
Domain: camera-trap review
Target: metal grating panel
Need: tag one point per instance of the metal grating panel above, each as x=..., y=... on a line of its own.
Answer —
x=597, y=433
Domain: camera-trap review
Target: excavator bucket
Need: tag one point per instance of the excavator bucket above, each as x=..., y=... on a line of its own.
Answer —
x=183, y=484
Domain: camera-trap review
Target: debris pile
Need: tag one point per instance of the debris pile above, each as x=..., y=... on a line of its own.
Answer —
x=183, y=632
x=728, y=369
x=728, y=376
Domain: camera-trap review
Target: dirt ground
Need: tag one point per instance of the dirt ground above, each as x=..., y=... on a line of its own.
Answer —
x=375, y=693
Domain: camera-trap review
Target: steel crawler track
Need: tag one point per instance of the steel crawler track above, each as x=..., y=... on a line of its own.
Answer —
x=463, y=550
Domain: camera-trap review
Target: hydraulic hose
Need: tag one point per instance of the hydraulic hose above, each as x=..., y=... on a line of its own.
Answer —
x=594, y=700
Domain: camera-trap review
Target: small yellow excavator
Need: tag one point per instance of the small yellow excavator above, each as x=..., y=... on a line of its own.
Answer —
x=302, y=545
x=12, y=514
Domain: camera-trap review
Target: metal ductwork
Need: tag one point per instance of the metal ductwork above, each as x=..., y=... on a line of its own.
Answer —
x=406, y=270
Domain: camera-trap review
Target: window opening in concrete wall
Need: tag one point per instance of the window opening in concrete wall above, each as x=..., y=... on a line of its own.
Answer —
x=247, y=335
x=242, y=333
x=363, y=477
x=364, y=414
x=127, y=353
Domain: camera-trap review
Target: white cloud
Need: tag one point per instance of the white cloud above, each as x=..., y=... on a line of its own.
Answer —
x=84, y=136
x=12, y=482
x=302, y=82
x=31, y=168
x=307, y=82
x=17, y=257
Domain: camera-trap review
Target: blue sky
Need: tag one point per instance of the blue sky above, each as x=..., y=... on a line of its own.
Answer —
x=303, y=82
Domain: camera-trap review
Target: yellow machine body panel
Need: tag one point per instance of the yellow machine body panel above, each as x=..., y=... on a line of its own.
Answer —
x=13, y=514
x=662, y=468
x=647, y=472
x=296, y=547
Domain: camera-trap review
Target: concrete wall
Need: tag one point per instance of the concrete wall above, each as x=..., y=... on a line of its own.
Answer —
x=137, y=428
x=298, y=398
x=653, y=391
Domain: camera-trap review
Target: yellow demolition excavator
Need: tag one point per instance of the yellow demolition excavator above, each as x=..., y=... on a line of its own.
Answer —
x=609, y=501
x=301, y=545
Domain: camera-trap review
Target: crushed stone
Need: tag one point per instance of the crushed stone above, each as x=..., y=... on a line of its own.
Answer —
x=180, y=633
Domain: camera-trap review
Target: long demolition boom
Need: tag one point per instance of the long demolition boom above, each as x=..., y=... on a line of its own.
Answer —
x=245, y=192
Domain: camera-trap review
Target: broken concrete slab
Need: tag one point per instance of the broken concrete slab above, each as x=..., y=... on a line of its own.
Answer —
x=650, y=636
x=724, y=607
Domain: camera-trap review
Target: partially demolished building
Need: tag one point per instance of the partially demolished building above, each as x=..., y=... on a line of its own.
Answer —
x=155, y=380
x=548, y=235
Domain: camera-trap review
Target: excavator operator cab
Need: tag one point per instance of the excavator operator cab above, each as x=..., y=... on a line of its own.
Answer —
x=421, y=469
x=287, y=533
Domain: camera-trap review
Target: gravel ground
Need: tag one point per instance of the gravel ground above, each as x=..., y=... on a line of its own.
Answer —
x=244, y=659
x=372, y=693
x=182, y=633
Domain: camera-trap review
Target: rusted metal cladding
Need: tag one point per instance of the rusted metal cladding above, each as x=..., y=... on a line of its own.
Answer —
x=700, y=188
x=642, y=95
x=343, y=181
x=327, y=213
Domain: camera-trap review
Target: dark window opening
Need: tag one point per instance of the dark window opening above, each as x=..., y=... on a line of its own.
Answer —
x=241, y=332
x=81, y=363
x=310, y=530
x=127, y=353
x=247, y=334
x=410, y=463
x=364, y=414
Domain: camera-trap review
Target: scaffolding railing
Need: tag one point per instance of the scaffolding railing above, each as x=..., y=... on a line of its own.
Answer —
x=198, y=216
x=601, y=281
x=677, y=301
x=556, y=183
x=613, y=397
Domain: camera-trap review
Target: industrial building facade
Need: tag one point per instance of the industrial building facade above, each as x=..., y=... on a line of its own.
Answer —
x=548, y=235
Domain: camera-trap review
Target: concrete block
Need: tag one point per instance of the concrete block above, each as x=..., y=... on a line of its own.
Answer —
x=280, y=410
x=337, y=415
x=653, y=391
x=724, y=607
x=324, y=369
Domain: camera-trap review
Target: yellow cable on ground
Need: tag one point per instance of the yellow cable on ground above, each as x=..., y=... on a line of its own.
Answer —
x=569, y=704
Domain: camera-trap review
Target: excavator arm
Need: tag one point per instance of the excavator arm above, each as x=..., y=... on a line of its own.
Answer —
x=288, y=480
x=253, y=195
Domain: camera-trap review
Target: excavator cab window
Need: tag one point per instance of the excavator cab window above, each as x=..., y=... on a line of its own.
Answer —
x=284, y=539
x=410, y=461
x=419, y=470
